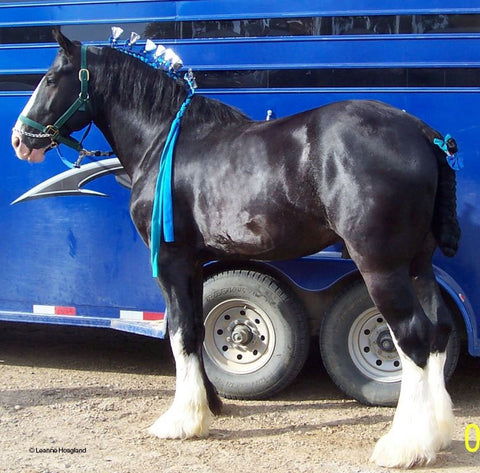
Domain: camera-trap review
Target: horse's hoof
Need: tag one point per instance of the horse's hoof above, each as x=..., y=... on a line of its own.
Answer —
x=393, y=451
x=179, y=425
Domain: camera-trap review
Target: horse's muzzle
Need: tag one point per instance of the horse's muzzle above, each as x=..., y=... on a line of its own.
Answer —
x=25, y=153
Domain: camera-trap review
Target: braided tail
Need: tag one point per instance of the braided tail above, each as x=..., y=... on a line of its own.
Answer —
x=445, y=226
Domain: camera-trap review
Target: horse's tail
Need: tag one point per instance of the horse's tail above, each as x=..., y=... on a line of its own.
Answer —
x=445, y=226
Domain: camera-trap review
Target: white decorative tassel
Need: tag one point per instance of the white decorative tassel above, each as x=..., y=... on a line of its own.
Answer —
x=159, y=52
x=134, y=37
x=156, y=56
x=116, y=33
x=149, y=46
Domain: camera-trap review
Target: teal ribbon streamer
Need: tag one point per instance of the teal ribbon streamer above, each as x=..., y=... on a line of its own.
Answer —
x=453, y=160
x=162, y=214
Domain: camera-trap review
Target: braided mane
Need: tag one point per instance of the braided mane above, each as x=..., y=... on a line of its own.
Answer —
x=153, y=93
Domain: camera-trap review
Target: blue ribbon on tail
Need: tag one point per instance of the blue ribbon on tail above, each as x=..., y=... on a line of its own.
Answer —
x=453, y=160
x=162, y=214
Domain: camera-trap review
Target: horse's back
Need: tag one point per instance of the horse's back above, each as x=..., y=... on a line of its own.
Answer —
x=294, y=185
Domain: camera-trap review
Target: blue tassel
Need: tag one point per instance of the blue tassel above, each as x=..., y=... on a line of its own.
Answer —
x=162, y=214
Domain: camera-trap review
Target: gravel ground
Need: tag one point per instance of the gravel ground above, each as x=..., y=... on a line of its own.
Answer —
x=81, y=400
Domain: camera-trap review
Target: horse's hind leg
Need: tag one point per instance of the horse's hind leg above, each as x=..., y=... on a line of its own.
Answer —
x=431, y=299
x=413, y=437
x=195, y=398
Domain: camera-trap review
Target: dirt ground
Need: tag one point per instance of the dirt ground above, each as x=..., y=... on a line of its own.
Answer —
x=81, y=400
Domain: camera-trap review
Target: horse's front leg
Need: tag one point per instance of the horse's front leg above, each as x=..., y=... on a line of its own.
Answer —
x=195, y=401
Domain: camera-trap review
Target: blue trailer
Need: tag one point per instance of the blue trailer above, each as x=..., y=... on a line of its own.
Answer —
x=69, y=248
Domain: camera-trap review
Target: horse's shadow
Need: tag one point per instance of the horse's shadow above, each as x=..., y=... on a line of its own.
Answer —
x=84, y=349
x=44, y=397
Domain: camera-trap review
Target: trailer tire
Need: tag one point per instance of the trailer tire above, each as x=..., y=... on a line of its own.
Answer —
x=256, y=334
x=358, y=352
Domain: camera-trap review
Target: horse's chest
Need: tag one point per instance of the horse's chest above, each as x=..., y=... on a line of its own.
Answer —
x=141, y=211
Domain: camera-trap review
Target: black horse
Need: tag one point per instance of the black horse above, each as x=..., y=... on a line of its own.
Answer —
x=358, y=172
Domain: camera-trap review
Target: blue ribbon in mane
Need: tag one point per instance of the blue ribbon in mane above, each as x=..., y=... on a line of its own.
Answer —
x=162, y=214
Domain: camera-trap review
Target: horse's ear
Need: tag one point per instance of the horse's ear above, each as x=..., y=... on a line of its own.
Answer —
x=69, y=47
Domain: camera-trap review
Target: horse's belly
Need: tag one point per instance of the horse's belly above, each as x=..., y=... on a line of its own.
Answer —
x=261, y=237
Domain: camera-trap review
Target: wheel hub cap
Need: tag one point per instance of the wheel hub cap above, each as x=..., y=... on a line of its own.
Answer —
x=371, y=348
x=239, y=336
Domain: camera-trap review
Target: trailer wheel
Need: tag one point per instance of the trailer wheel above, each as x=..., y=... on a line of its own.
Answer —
x=256, y=334
x=358, y=351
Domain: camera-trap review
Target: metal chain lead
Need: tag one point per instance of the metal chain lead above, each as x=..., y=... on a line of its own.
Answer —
x=32, y=135
x=96, y=154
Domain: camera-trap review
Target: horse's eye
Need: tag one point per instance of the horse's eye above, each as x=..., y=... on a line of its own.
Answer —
x=50, y=80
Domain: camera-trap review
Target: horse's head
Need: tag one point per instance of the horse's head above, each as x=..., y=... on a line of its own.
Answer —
x=58, y=106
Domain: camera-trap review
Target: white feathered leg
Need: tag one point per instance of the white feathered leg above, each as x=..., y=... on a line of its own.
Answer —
x=413, y=438
x=189, y=415
x=441, y=402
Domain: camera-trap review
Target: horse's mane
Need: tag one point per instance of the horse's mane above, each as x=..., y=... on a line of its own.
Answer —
x=153, y=93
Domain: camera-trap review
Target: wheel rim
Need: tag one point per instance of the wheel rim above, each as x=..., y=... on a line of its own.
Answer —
x=371, y=348
x=239, y=336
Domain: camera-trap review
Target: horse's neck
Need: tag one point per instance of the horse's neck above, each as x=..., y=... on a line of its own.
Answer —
x=131, y=132
x=137, y=126
x=126, y=140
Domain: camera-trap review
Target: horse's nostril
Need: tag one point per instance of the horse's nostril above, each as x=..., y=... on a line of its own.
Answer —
x=16, y=142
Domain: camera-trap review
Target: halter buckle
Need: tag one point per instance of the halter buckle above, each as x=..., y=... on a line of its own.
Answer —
x=51, y=131
x=82, y=77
